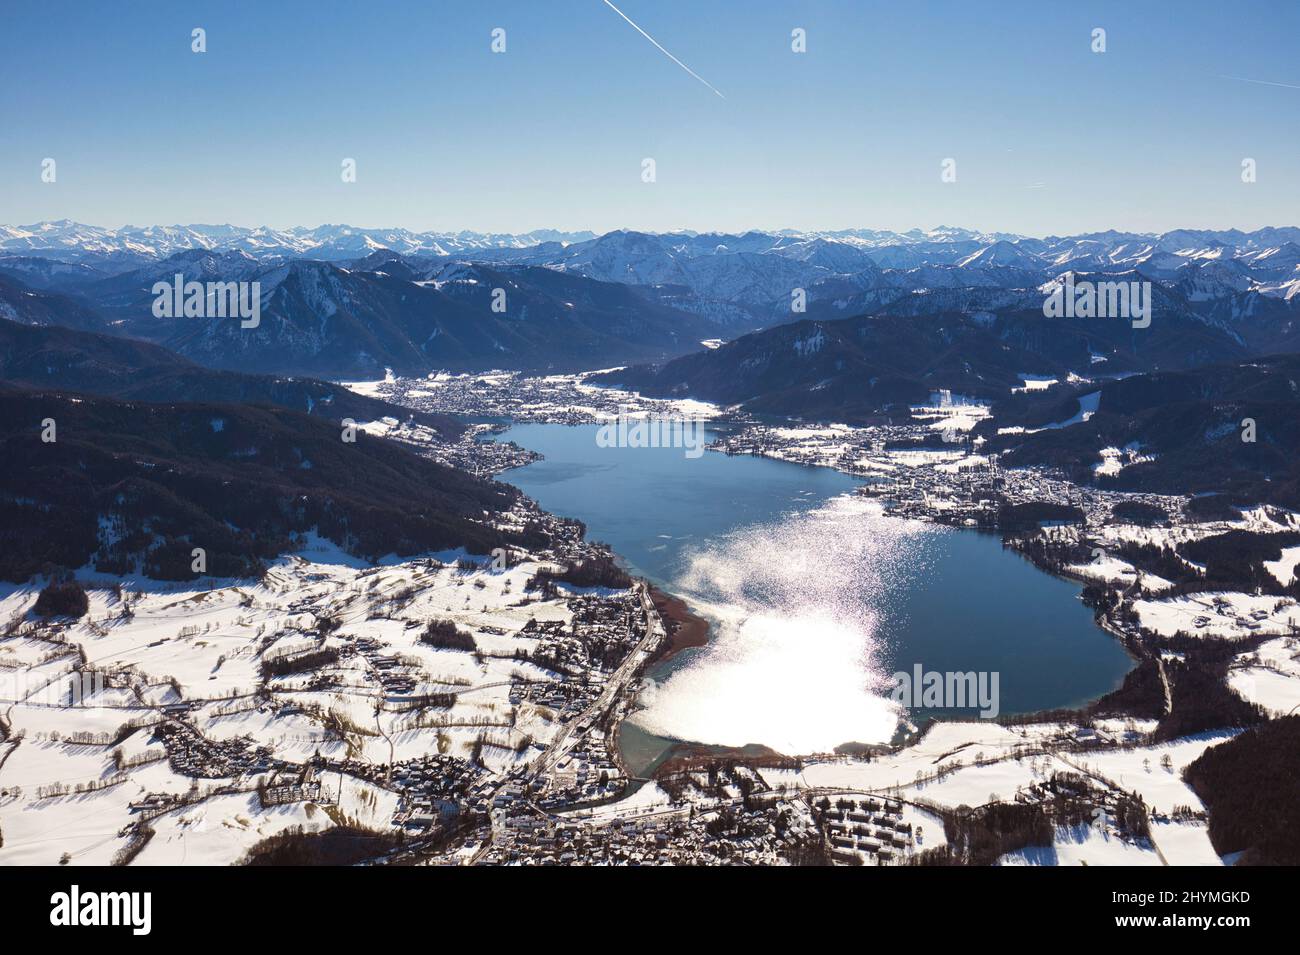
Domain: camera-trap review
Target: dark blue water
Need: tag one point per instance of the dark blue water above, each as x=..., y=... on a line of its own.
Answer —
x=800, y=600
x=650, y=504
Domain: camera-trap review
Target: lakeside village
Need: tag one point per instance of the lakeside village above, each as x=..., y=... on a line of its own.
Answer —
x=445, y=710
x=465, y=709
x=930, y=469
x=1156, y=574
x=442, y=711
x=1214, y=641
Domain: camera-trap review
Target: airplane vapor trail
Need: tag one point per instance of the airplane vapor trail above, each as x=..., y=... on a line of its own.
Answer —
x=661, y=49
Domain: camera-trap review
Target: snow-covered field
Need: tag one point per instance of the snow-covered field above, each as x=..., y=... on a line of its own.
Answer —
x=1085, y=845
x=1270, y=676
x=1113, y=570
x=972, y=764
x=1218, y=615
x=68, y=772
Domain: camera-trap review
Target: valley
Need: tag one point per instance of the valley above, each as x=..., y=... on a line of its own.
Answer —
x=447, y=442
x=471, y=679
x=931, y=470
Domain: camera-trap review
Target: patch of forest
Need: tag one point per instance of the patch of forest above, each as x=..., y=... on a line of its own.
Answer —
x=338, y=845
x=1251, y=786
x=138, y=487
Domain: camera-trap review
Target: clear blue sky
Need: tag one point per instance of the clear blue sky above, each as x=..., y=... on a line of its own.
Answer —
x=1048, y=136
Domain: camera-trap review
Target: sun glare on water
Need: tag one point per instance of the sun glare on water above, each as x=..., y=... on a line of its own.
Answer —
x=793, y=660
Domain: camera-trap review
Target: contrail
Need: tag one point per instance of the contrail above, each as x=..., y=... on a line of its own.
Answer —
x=662, y=50
x=1246, y=79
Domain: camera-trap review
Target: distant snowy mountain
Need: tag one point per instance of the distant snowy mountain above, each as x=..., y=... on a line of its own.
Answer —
x=74, y=241
x=342, y=298
x=1001, y=254
x=714, y=266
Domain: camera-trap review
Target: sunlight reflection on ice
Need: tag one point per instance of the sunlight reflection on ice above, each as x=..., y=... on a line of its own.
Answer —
x=793, y=659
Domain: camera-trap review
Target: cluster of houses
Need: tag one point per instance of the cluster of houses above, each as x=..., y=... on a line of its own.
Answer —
x=1254, y=620
x=1116, y=814
x=588, y=773
x=608, y=626
x=715, y=815
x=677, y=836
x=482, y=458
x=283, y=788
x=394, y=676
x=556, y=399
x=914, y=474
x=604, y=629
x=191, y=754
x=869, y=831
x=538, y=840
x=155, y=804
x=439, y=788
x=565, y=698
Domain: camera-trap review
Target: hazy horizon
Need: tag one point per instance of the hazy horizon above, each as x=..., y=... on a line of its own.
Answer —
x=453, y=230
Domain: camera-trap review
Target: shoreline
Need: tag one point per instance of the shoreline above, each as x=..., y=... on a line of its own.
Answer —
x=685, y=628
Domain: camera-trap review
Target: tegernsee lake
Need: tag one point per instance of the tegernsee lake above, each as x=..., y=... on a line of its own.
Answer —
x=816, y=597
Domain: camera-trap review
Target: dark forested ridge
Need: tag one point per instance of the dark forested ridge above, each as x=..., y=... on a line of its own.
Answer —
x=19, y=302
x=1251, y=786
x=138, y=486
x=1233, y=429
x=40, y=357
x=852, y=369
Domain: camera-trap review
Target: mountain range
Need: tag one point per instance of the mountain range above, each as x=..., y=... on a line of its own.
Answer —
x=886, y=320
x=1268, y=257
x=338, y=301
x=75, y=241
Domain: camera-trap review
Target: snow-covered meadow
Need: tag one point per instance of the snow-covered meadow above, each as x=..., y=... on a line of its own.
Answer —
x=191, y=656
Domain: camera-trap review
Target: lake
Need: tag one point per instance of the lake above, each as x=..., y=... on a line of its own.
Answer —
x=816, y=597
